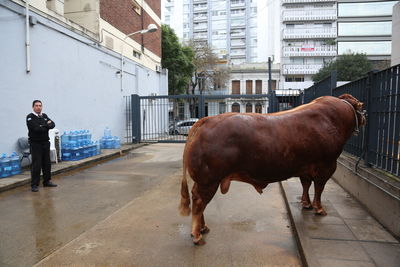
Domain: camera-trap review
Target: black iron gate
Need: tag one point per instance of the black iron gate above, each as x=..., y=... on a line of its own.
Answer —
x=169, y=118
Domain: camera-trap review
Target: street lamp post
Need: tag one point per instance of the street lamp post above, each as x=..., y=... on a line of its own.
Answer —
x=150, y=28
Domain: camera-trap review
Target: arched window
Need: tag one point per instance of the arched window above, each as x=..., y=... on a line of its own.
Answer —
x=235, y=107
x=249, y=108
x=258, y=108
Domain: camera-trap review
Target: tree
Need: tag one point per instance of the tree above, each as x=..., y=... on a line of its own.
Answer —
x=349, y=67
x=178, y=60
x=207, y=72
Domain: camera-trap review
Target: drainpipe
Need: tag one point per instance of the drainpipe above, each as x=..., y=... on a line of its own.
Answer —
x=122, y=68
x=27, y=38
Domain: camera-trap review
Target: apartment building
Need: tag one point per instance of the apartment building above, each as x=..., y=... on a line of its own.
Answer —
x=229, y=26
x=396, y=35
x=309, y=31
x=365, y=27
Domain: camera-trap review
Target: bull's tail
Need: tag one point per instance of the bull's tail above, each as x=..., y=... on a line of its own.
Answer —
x=184, y=207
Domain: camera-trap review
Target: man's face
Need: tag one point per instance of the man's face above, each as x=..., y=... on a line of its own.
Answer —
x=37, y=107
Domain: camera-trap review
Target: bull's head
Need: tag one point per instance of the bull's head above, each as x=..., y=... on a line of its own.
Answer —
x=358, y=107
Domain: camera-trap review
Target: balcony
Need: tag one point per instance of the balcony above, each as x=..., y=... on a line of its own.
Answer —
x=200, y=36
x=200, y=18
x=306, y=1
x=317, y=51
x=197, y=8
x=301, y=69
x=240, y=44
x=201, y=27
x=309, y=33
x=199, y=1
x=236, y=35
x=310, y=15
x=236, y=5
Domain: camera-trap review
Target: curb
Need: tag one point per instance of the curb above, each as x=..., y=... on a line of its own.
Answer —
x=295, y=232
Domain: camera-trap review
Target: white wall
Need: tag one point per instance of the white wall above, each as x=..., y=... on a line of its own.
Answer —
x=77, y=82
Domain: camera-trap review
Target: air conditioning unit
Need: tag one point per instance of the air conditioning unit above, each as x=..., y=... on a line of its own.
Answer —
x=158, y=68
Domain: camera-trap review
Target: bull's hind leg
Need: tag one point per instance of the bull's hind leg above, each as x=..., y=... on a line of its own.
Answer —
x=305, y=198
x=201, y=196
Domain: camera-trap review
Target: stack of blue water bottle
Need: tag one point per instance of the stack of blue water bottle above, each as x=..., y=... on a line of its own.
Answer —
x=108, y=141
x=77, y=145
x=9, y=165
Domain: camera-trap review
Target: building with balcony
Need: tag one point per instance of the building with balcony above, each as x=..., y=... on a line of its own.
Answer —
x=365, y=27
x=229, y=27
x=308, y=37
x=396, y=35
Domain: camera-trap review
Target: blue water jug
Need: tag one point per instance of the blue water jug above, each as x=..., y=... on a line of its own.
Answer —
x=5, y=163
x=107, y=132
x=15, y=164
x=117, y=142
x=65, y=139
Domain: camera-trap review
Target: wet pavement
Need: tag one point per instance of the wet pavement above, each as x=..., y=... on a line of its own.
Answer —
x=124, y=213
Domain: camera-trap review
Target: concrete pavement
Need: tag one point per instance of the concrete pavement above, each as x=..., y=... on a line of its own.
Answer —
x=347, y=236
x=124, y=213
x=144, y=229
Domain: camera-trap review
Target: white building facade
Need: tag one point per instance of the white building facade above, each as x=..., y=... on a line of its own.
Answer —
x=229, y=27
x=308, y=37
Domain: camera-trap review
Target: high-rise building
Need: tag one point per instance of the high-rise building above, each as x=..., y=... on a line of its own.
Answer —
x=229, y=27
x=396, y=35
x=365, y=27
x=308, y=40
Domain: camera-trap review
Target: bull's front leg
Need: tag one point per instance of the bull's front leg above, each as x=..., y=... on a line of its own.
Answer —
x=319, y=188
x=305, y=198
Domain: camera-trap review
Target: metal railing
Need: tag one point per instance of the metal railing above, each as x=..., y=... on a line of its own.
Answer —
x=378, y=143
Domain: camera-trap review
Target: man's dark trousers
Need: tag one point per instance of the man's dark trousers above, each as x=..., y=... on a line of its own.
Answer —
x=40, y=152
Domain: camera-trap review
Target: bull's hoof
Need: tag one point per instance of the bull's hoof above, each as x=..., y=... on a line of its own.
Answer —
x=199, y=241
x=205, y=230
x=306, y=206
x=320, y=212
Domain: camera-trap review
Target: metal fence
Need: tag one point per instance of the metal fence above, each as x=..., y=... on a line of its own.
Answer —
x=169, y=118
x=378, y=143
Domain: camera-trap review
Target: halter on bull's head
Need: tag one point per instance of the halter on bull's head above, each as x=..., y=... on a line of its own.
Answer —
x=359, y=112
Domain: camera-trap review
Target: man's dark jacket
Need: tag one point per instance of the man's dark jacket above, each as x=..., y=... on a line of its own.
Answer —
x=38, y=127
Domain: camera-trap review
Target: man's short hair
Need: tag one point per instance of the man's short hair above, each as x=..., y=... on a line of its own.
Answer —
x=36, y=101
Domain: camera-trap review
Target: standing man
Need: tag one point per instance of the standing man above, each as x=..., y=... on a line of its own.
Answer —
x=39, y=125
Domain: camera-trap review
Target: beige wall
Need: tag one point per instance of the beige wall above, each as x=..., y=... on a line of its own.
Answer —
x=84, y=12
x=396, y=35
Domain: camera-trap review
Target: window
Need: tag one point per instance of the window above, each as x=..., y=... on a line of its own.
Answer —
x=294, y=78
x=235, y=107
x=383, y=8
x=235, y=87
x=136, y=7
x=249, y=108
x=258, y=87
x=369, y=48
x=365, y=28
x=222, y=107
x=258, y=108
x=249, y=87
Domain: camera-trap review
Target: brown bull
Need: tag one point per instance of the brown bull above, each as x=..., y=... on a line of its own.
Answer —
x=264, y=148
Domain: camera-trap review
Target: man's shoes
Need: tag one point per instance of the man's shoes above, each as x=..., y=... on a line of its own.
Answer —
x=35, y=189
x=49, y=184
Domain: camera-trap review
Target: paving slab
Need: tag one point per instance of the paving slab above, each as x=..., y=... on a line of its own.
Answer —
x=347, y=236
